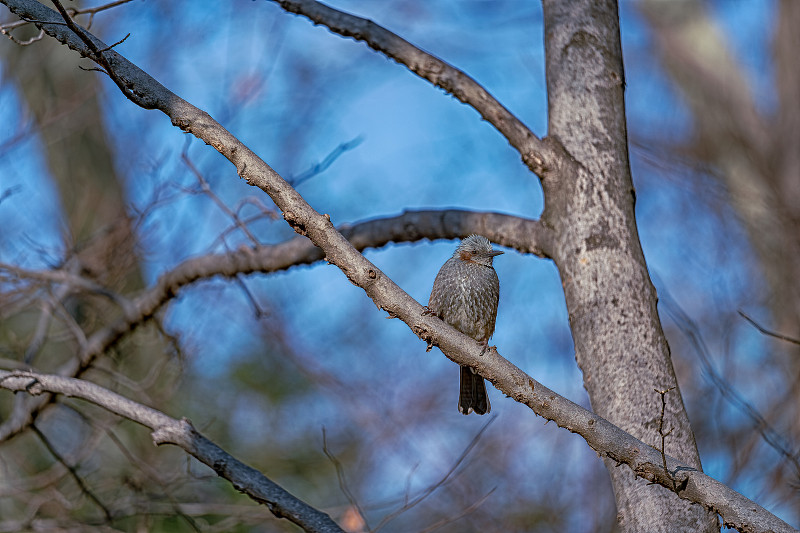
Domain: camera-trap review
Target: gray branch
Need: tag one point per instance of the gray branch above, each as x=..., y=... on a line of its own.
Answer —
x=167, y=430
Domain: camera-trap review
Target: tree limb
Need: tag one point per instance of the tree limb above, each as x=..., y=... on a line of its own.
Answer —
x=167, y=430
x=525, y=235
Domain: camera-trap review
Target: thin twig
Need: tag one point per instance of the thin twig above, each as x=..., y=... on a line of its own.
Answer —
x=206, y=189
x=342, y=480
x=107, y=48
x=427, y=492
x=6, y=30
x=768, y=332
x=664, y=435
x=321, y=167
x=73, y=472
x=444, y=521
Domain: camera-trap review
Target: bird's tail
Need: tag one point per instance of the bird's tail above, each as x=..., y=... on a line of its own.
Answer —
x=473, y=395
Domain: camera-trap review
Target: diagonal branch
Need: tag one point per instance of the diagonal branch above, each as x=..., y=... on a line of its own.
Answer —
x=607, y=439
x=539, y=155
x=167, y=430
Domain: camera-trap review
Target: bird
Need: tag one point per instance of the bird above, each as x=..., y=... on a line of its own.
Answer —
x=465, y=294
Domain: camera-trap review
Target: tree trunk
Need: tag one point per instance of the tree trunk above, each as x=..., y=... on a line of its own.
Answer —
x=619, y=343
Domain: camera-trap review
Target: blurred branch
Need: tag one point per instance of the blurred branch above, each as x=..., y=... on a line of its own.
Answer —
x=337, y=464
x=689, y=328
x=540, y=155
x=756, y=153
x=66, y=277
x=167, y=430
x=73, y=472
x=205, y=188
x=607, y=440
x=463, y=513
x=321, y=167
x=768, y=332
x=9, y=192
x=432, y=488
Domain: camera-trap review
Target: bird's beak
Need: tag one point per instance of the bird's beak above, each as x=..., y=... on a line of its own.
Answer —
x=495, y=253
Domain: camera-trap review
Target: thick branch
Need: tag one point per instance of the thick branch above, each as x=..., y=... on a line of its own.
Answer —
x=167, y=430
x=607, y=439
x=538, y=154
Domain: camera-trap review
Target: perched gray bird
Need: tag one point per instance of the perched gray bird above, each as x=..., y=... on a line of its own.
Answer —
x=465, y=295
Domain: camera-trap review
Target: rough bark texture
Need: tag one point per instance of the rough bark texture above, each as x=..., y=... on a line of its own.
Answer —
x=619, y=343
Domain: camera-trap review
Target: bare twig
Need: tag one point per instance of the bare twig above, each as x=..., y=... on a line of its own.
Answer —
x=6, y=30
x=431, y=489
x=114, y=45
x=73, y=472
x=92, y=11
x=663, y=434
x=450, y=519
x=768, y=332
x=342, y=480
x=321, y=167
x=206, y=189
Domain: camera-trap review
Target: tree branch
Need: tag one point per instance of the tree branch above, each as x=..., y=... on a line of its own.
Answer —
x=539, y=155
x=524, y=235
x=605, y=438
x=167, y=430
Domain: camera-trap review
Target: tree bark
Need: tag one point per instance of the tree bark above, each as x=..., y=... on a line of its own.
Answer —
x=619, y=342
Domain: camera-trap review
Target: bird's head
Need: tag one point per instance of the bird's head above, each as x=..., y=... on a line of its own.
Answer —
x=476, y=249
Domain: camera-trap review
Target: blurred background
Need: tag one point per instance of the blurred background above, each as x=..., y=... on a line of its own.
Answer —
x=297, y=373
